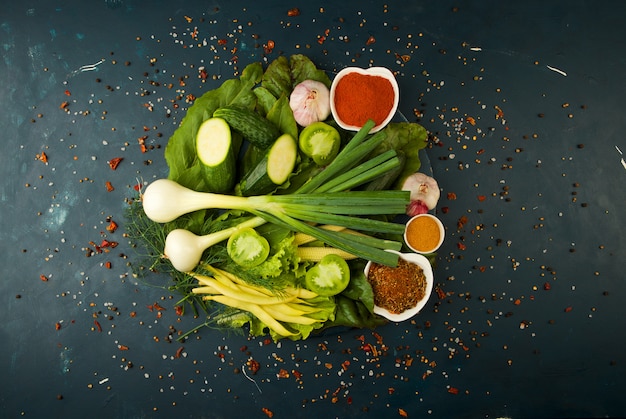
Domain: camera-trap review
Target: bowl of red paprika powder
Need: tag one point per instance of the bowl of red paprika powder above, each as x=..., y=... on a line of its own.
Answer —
x=358, y=94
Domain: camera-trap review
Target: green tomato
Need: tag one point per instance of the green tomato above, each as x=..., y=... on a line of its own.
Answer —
x=321, y=142
x=248, y=248
x=329, y=276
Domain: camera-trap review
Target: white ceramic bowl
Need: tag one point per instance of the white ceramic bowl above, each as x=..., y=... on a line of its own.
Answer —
x=442, y=233
x=372, y=71
x=428, y=273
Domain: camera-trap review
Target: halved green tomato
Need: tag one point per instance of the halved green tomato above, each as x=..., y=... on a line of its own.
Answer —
x=248, y=248
x=321, y=142
x=329, y=276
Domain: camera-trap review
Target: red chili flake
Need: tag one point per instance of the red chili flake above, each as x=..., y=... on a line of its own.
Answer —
x=297, y=374
x=500, y=113
x=481, y=151
x=179, y=352
x=293, y=12
x=403, y=413
x=221, y=41
x=57, y=326
x=98, y=326
x=112, y=227
x=461, y=246
x=547, y=286
x=283, y=373
x=137, y=187
x=114, y=162
x=453, y=390
x=345, y=365
x=371, y=40
x=440, y=293
x=64, y=105
x=445, y=210
x=470, y=120
x=42, y=157
x=517, y=301
x=461, y=222
x=568, y=309
x=122, y=347
x=133, y=314
x=178, y=310
x=109, y=186
x=451, y=196
x=267, y=341
x=268, y=412
x=391, y=390
x=107, y=264
x=43, y=278
x=321, y=40
x=203, y=74
x=156, y=306
x=67, y=93
x=481, y=198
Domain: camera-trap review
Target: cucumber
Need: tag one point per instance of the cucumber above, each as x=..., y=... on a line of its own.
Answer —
x=258, y=130
x=215, y=148
x=273, y=169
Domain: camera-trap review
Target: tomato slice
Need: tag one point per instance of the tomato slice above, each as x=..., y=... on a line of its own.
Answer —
x=321, y=142
x=329, y=276
x=248, y=248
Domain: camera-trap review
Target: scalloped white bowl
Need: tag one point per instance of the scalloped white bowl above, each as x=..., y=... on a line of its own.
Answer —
x=421, y=261
x=372, y=71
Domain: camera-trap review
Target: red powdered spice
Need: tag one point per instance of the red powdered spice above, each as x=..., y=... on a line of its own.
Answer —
x=360, y=97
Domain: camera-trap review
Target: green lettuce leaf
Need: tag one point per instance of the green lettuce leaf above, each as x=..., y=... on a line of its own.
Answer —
x=410, y=137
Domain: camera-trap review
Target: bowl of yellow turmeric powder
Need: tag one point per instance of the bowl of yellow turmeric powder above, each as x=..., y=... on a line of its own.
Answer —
x=424, y=233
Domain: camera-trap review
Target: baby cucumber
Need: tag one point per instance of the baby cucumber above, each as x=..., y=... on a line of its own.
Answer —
x=260, y=131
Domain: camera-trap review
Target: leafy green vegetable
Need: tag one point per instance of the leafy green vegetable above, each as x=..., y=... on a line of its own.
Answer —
x=180, y=152
x=408, y=137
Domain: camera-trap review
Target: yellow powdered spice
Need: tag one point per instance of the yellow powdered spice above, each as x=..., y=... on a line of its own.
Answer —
x=423, y=234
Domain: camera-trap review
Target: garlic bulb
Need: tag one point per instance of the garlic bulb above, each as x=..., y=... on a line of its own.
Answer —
x=424, y=193
x=310, y=102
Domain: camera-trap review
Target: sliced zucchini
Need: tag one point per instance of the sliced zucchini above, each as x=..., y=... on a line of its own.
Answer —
x=273, y=169
x=216, y=150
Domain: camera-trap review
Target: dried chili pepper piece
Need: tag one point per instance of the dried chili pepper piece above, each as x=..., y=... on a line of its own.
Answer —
x=109, y=186
x=114, y=162
x=112, y=227
x=293, y=12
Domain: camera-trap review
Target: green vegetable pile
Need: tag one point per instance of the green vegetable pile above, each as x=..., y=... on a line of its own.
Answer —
x=339, y=188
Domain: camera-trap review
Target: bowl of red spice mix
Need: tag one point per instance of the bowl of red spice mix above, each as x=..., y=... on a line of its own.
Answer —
x=402, y=291
x=358, y=94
